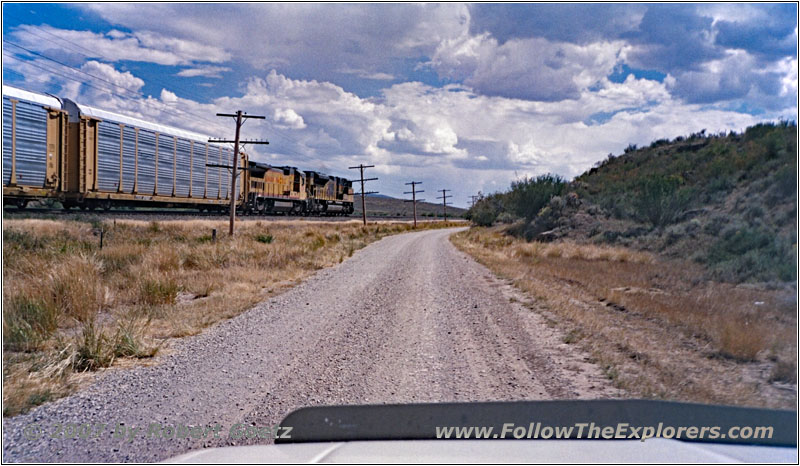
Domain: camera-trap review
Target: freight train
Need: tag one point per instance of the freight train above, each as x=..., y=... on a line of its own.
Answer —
x=89, y=158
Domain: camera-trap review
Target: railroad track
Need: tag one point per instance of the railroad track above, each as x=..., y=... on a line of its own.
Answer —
x=160, y=214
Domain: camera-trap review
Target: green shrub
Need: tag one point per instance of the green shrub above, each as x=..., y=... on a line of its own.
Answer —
x=264, y=238
x=661, y=200
x=318, y=240
x=506, y=217
x=528, y=196
x=751, y=253
x=785, y=181
x=483, y=214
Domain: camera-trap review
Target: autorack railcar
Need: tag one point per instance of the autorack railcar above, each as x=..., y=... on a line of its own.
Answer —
x=34, y=138
x=87, y=157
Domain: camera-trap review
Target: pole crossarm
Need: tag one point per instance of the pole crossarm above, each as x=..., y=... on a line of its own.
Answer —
x=240, y=115
x=216, y=165
x=228, y=141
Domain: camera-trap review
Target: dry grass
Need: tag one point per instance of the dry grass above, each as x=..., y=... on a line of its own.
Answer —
x=658, y=328
x=71, y=307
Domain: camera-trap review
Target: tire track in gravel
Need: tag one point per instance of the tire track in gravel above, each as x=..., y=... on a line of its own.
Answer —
x=406, y=319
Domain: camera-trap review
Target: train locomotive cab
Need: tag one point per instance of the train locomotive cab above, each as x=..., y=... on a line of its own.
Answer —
x=275, y=190
x=328, y=195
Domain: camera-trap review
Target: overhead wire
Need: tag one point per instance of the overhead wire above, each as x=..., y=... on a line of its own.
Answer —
x=276, y=131
x=95, y=54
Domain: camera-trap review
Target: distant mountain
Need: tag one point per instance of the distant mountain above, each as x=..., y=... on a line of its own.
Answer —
x=380, y=205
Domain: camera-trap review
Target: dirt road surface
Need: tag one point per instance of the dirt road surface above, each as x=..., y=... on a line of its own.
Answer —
x=406, y=319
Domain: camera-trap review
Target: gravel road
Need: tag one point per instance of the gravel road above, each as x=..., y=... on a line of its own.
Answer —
x=406, y=319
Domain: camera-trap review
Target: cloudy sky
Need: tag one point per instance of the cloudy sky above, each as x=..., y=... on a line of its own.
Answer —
x=459, y=96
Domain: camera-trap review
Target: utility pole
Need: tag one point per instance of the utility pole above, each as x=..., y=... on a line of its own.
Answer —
x=444, y=197
x=414, y=199
x=235, y=165
x=361, y=167
x=474, y=199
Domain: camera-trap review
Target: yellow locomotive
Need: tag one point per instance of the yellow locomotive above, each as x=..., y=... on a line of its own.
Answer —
x=292, y=191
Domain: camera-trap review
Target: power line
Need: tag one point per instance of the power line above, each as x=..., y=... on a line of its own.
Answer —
x=97, y=55
x=40, y=29
x=44, y=68
x=94, y=54
x=109, y=90
x=69, y=66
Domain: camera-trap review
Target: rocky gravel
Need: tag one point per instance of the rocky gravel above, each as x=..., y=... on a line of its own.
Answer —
x=406, y=319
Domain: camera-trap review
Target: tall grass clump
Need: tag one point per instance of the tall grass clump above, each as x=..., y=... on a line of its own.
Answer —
x=77, y=289
x=93, y=349
x=29, y=319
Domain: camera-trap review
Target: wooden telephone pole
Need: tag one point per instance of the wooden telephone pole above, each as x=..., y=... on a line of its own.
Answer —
x=239, y=115
x=414, y=199
x=361, y=167
x=444, y=197
x=474, y=200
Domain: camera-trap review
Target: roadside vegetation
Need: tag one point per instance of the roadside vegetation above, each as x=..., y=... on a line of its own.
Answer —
x=71, y=308
x=674, y=265
x=656, y=326
x=727, y=202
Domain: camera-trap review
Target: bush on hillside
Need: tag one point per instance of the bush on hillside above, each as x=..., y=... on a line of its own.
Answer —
x=751, y=253
x=529, y=195
x=483, y=214
x=661, y=200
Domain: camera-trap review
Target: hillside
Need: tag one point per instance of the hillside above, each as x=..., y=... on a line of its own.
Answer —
x=673, y=264
x=727, y=202
x=385, y=206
